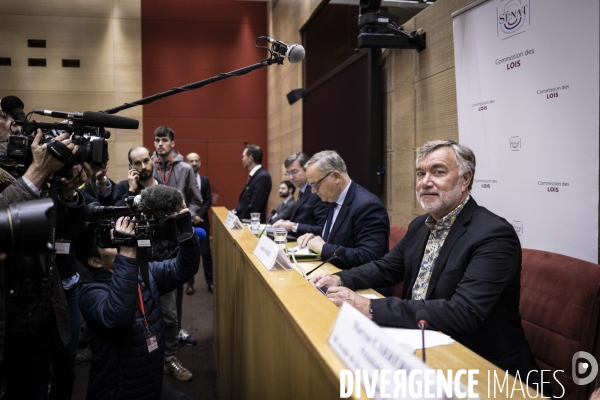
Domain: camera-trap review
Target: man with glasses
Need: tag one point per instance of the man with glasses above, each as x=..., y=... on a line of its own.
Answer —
x=356, y=218
x=309, y=213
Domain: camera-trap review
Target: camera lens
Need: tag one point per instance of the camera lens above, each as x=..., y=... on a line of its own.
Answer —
x=26, y=227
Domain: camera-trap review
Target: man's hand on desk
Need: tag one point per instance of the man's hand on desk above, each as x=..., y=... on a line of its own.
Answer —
x=331, y=285
x=314, y=243
x=325, y=281
x=287, y=225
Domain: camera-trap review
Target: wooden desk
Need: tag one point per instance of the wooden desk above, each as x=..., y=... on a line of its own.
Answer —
x=271, y=329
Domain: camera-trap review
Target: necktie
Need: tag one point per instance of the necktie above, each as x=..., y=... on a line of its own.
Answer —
x=329, y=220
x=248, y=180
x=300, y=195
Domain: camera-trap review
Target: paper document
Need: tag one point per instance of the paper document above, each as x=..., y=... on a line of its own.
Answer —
x=412, y=337
x=302, y=251
x=371, y=296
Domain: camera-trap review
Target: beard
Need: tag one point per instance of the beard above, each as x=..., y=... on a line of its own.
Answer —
x=443, y=201
x=283, y=195
x=145, y=174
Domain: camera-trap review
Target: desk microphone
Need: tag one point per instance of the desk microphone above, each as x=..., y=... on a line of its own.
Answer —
x=273, y=213
x=339, y=252
x=421, y=318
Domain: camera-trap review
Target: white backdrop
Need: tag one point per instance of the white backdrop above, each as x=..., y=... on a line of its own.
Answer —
x=527, y=93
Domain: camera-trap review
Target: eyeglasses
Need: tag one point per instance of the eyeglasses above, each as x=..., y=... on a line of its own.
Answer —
x=293, y=172
x=317, y=184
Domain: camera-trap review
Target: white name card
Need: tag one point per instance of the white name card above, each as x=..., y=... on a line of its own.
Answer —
x=271, y=254
x=233, y=222
x=374, y=359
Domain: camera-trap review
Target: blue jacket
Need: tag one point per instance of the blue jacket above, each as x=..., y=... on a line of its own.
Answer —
x=121, y=367
x=362, y=227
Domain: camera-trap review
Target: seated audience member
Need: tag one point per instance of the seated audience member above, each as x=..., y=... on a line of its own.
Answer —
x=255, y=195
x=356, y=218
x=460, y=263
x=284, y=210
x=124, y=316
x=308, y=215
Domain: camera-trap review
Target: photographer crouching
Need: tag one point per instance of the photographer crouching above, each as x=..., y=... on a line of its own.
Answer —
x=122, y=306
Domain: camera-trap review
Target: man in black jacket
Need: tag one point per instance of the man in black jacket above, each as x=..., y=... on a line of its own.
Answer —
x=460, y=262
x=124, y=315
x=308, y=215
x=203, y=184
x=28, y=322
x=257, y=188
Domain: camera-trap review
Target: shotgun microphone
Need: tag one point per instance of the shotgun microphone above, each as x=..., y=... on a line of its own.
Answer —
x=339, y=252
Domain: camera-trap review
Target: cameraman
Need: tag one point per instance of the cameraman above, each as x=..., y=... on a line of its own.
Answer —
x=127, y=333
x=26, y=331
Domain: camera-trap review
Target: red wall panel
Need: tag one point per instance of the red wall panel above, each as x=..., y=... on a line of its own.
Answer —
x=186, y=41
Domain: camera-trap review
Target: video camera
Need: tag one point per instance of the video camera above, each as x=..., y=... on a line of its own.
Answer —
x=151, y=211
x=87, y=131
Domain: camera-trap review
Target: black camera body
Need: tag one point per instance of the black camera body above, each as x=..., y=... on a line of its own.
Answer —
x=149, y=230
x=93, y=147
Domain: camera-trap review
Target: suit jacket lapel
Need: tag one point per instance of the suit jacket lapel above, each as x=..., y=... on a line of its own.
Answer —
x=343, y=211
x=247, y=185
x=456, y=231
x=299, y=203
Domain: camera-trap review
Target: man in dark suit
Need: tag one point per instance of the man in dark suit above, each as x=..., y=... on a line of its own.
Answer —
x=203, y=184
x=284, y=210
x=309, y=213
x=256, y=191
x=356, y=218
x=461, y=263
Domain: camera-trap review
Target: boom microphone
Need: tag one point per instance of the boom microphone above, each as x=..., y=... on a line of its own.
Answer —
x=93, y=118
x=339, y=252
x=160, y=200
x=14, y=106
x=295, y=53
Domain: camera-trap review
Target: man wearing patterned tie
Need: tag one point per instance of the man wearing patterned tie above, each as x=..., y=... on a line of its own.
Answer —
x=203, y=185
x=308, y=215
x=356, y=218
x=255, y=193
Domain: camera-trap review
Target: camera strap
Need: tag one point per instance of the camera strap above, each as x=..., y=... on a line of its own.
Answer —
x=142, y=257
x=61, y=152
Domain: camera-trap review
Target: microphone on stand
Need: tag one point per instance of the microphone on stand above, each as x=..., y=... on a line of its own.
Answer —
x=421, y=317
x=339, y=252
x=270, y=219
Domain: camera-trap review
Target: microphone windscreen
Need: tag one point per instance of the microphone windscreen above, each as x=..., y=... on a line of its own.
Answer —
x=340, y=251
x=13, y=106
x=421, y=315
x=161, y=200
x=201, y=233
x=295, y=53
x=104, y=120
x=9, y=103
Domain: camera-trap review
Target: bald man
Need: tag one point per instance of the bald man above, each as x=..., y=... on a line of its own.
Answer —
x=203, y=185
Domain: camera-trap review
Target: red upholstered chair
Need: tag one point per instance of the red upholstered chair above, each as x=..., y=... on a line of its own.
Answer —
x=560, y=303
x=396, y=235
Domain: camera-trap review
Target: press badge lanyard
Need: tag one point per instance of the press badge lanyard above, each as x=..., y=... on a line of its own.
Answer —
x=160, y=172
x=151, y=339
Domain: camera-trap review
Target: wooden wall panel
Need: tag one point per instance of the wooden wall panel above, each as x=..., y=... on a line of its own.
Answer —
x=104, y=35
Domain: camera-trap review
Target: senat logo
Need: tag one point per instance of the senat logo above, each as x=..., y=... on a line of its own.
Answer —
x=513, y=17
x=518, y=225
x=515, y=143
